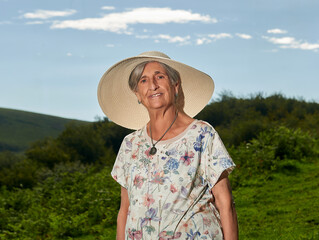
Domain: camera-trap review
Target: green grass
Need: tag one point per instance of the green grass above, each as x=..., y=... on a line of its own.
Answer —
x=108, y=234
x=285, y=207
x=18, y=129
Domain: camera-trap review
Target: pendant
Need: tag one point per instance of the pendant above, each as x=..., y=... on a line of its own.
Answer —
x=153, y=150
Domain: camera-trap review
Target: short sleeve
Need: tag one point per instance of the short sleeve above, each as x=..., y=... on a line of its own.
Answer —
x=119, y=171
x=216, y=159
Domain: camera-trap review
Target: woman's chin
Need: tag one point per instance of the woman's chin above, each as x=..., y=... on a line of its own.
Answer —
x=153, y=105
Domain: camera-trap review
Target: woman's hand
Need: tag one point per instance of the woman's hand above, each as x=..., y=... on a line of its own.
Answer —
x=224, y=203
x=122, y=215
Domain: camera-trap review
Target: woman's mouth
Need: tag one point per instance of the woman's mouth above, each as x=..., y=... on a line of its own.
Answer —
x=155, y=95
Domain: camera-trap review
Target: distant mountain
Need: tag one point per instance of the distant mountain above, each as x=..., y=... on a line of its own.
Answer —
x=18, y=129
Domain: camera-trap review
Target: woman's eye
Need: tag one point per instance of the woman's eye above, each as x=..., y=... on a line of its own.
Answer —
x=142, y=80
x=160, y=77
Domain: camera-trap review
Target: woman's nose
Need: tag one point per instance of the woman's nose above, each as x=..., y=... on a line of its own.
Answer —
x=153, y=84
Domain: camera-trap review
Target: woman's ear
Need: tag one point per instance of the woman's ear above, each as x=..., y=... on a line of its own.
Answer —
x=139, y=99
x=176, y=88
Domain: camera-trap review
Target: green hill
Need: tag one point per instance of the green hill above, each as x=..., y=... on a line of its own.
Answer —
x=20, y=128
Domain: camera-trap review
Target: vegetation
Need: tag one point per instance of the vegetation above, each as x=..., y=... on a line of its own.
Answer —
x=18, y=129
x=241, y=119
x=284, y=207
x=61, y=187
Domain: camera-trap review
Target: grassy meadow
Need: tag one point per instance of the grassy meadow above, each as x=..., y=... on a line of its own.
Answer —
x=285, y=207
x=281, y=208
x=61, y=187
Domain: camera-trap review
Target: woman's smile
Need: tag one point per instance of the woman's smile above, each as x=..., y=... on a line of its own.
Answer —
x=155, y=95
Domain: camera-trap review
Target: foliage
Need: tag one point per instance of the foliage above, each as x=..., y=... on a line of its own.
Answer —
x=15, y=171
x=274, y=150
x=241, y=119
x=80, y=201
x=111, y=133
x=82, y=143
x=64, y=205
x=7, y=159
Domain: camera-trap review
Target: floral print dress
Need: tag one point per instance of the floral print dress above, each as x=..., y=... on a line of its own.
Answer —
x=169, y=192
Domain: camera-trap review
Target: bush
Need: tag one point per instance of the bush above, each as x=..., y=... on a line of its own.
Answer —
x=68, y=205
x=47, y=153
x=77, y=143
x=272, y=151
x=21, y=174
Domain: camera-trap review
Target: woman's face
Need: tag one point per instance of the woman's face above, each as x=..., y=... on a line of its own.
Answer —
x=154, y=88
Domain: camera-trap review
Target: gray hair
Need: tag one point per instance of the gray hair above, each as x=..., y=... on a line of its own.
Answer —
x=136, y=74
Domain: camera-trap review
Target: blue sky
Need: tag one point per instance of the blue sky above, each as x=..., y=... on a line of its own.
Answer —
x=53, y=53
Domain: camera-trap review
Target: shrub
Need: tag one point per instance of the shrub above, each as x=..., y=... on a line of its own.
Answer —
x=271, y=151
x=20, y=174
x=65, y=206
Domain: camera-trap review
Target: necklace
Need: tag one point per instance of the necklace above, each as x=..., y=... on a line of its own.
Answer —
x=153, y=149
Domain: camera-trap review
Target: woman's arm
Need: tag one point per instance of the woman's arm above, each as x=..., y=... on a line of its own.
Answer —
x=122, y=215
x=224, y=203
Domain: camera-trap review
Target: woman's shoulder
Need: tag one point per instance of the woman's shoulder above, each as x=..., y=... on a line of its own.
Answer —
x=133, y=138
x=204, y=126
x=135, y=134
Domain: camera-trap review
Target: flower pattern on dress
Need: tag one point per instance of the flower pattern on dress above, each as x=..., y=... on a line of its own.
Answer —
x=198, y=144
x=187, y=158
x=173, y=189
x=169, y=192
x=158, y=177
x=138, y=181
x=192, y=235
x=171, y=166
x=168, y=235
x=150, y=215
x=148, y=200
x=134, y=234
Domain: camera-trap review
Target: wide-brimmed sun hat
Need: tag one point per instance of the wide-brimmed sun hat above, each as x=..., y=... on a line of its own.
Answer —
x=120, y=105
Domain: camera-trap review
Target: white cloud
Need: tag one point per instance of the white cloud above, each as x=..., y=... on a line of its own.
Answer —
x=303, y=46
x=34, y=22
x=283, y=40
x=45, y=14
x=107, y=8
x=243, y=36
x=201, y=41
x=69, y=54
x=211, y=37
x=276, y=31
x=220, y=36
x=110, y=45
x=119, y=22
x=170, y=39
x=176, y=39
x=290, y=42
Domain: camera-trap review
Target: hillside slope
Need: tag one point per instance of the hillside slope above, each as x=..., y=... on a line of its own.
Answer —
x=18, y=129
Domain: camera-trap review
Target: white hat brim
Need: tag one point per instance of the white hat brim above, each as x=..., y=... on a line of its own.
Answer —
x=120, y=105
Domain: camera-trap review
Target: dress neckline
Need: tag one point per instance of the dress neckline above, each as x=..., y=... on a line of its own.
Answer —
x=171, y=140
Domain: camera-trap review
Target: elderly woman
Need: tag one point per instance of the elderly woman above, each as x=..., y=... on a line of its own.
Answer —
x=173, y=170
